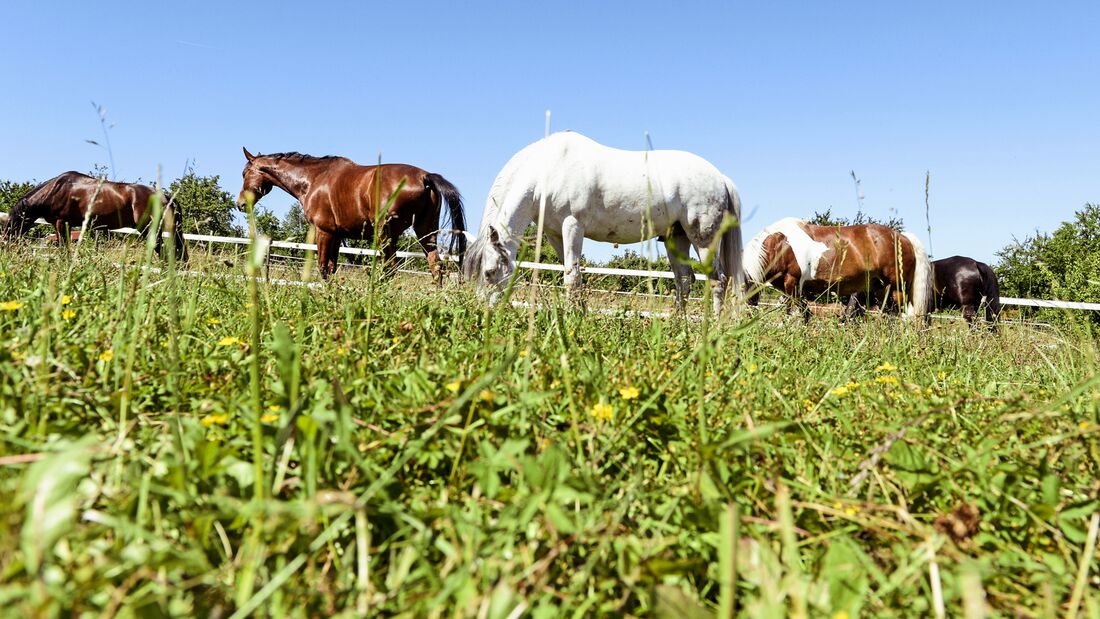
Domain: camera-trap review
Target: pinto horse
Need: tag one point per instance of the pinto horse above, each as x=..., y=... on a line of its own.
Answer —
x=870, y=262
x=65, y=200
x=341, y=199
x=606, y=194
x=965, y=283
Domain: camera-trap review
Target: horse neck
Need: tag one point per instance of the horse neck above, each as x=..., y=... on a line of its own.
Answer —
x=293, y=178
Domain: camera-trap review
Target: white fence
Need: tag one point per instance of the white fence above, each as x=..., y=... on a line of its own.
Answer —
x=207, y=238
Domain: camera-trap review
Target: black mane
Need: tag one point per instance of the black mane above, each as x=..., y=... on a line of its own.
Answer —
x=296, y=157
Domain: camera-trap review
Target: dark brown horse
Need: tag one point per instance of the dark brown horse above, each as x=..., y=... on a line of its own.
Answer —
x=965, y=283
x=65, y=200
x=869, y=262
x=341, y=199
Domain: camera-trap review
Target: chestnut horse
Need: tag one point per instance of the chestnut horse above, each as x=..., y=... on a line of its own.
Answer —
x=869, y=262
x=341, y=199
x=64, y=201
x=966, y=283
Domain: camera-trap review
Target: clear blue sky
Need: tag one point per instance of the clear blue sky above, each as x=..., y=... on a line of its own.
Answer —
x=998, y=100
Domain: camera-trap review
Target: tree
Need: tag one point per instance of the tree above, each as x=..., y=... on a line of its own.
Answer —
x=205, y=207
x=11, y=192
x=828, y=219
x=1062, y=265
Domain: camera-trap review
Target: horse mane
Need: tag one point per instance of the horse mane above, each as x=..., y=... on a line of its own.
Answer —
x=296, y=157
x=755, y=258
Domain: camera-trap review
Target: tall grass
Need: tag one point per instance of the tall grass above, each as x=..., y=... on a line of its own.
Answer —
x=418, y=455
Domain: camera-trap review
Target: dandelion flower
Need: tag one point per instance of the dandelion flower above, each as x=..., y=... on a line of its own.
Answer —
x=753, y=368
x=840, y=614
x=213, y=321
x=887, y=380
x=11, y=306
x=603, y=411
x=523, y=353
x=629, y=393
x=886, y=367
x=68, y=314
x=218, y=419
x=274, y=407
x=1084, y=425
x=269, y=418
x=839, y=391
x=66, y=299
x=485, y=395
x=453, y=386
x=230, y=340
x=107, y=355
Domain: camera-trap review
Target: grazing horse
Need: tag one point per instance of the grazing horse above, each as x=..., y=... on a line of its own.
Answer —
x=966, y=283
x=869, y=261
x=342, y=200
x=606, y=194
x=65, y=200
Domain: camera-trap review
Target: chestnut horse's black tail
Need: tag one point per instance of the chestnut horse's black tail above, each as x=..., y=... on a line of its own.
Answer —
x=443, y=187
x=992, y=292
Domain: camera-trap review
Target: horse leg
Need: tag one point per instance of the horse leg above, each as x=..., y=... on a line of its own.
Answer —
x=327, y=245
x=970, y=314
x=426, y=234
x=855, y=308
x=572, y=238
x=681, y=272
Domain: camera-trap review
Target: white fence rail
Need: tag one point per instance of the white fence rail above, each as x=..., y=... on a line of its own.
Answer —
x=232, y=240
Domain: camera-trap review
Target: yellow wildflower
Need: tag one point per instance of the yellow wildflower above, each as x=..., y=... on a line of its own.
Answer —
x=230, y=340
x=808, y=404
x=210, y=420
x=11, y=306
x=840, y=614
x=851, y=510
x=68, y=314
x=107, y=355
x=603, y=412
x=941, y=375
x=274, y=407
x=1084, y=425
x=269, y=417
x=523, y=353
x=66, y=299
x=486, y=395
x=629, y=393
x=341, y=351
x=753, y=367
x=453, y=386
x=839, y=391
x=554, y=384
x=213, y=321
x=887, y=380
x=886, y=367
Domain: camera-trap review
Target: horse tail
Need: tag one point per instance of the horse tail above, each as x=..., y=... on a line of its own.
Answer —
x=920, y=292
x=992, y=292
x=730, y=250
x=449, y=192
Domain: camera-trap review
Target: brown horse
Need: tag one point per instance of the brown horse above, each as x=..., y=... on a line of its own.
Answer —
x=341, y=199
x=866, y=262
x=65, y=200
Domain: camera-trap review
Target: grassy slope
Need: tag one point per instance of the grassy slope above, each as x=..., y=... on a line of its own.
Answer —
x=480, y=473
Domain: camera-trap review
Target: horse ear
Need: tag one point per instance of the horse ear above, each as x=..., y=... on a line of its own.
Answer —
x=494, y=238
x=247, y=155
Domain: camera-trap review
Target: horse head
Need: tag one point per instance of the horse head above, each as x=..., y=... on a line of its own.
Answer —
x=490, y=263
x=257, y=183
x=20, y=219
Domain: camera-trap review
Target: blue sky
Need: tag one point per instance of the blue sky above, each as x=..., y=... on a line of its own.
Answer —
x=998, y=100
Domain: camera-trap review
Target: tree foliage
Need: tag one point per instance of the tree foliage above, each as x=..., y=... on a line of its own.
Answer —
x=827, y=218
x=11, y=192
x=1061, y=265
x=206, y=208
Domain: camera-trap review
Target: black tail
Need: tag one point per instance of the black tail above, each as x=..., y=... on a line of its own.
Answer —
x=991, y=291
x=177, y=228
x=443, y=187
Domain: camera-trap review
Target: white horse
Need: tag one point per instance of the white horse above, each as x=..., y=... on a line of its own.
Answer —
x=606, y=194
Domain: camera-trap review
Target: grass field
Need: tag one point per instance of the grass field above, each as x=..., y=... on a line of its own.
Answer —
x=200, y=446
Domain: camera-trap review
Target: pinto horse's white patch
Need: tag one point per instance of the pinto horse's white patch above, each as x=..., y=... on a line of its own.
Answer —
x=807, y=251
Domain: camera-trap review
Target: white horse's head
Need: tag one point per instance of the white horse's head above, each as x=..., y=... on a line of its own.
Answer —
x=489, y=263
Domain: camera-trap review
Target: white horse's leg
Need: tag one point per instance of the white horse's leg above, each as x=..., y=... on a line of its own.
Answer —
x=572, y=238
x=682, y=272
